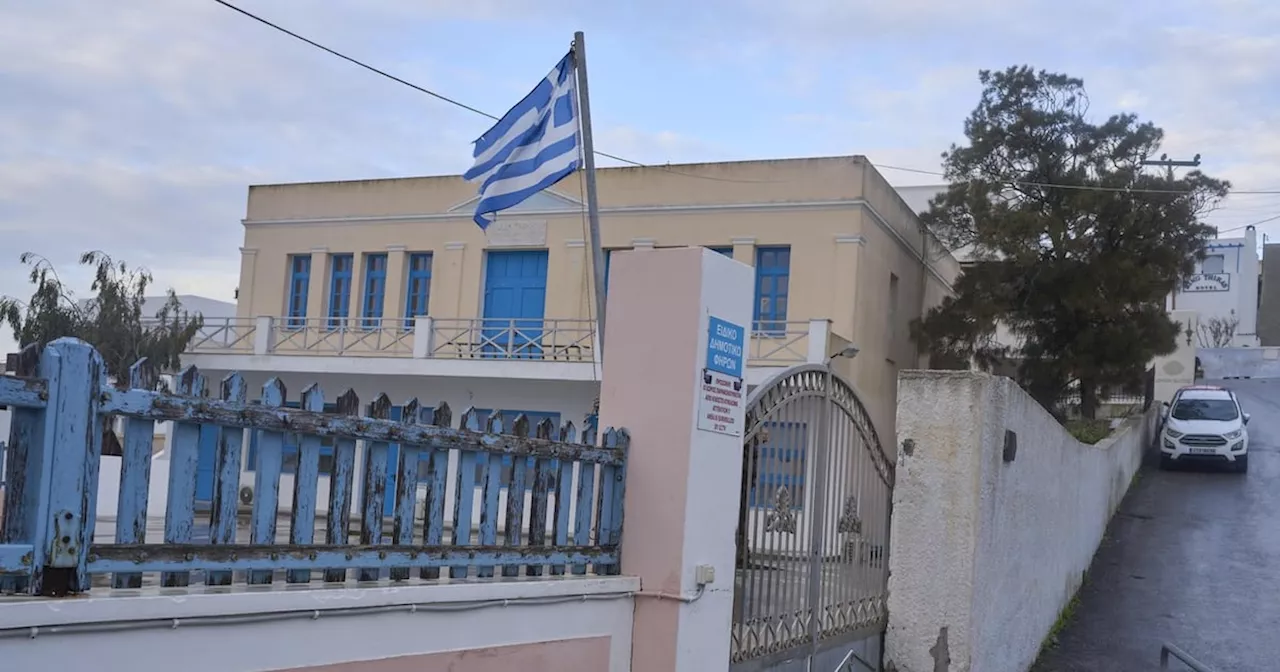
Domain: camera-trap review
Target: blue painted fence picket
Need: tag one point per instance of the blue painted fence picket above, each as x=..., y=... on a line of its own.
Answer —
x=545, y=501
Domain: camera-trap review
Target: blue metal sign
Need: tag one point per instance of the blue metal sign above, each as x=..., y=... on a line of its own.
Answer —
x=726, y=344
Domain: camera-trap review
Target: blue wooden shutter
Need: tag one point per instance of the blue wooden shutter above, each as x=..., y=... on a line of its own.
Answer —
x=340, y=289
x=299, y=282
x=375, y=288
x=418, y=291
x=773, y=279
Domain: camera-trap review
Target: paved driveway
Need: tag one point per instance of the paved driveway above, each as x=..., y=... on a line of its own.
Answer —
x=1192, y=558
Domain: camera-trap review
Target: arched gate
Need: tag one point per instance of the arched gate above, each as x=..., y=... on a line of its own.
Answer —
x=813, y=532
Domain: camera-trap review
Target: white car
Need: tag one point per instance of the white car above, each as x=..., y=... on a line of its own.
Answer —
x=1205, y=424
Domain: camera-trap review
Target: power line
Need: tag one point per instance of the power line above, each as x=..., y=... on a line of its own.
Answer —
x=1257, y=223
x=1078, y=187
x=475, y=110
x=445, y=98
x=362, y=64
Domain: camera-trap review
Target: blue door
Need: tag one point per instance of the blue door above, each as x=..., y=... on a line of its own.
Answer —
x=515, y=297
x=206, y=455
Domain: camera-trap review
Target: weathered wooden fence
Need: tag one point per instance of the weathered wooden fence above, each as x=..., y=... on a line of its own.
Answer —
x=60, y=400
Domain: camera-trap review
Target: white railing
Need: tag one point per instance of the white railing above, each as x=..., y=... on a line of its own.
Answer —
x=779, y=343
x=224, y=335
x=488, y=338
x=423, y=337
x=359, y=337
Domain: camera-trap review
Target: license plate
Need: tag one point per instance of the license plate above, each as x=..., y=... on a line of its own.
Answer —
x=1203, y=451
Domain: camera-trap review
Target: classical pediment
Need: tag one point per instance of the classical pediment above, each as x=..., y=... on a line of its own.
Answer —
x=543, y=201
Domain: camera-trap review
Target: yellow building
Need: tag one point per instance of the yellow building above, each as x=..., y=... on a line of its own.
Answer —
x=389, y=286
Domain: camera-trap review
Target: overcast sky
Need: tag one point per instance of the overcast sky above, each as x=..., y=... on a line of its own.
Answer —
x=134, y=126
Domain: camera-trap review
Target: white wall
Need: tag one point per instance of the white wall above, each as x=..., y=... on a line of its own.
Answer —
x=1240, y=362
x=989, y=550
x=1240, y=264
x=538, y=611
x=1178, y=368
x=572, y=399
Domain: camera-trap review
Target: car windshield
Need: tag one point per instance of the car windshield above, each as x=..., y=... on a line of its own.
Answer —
x=1205, y=409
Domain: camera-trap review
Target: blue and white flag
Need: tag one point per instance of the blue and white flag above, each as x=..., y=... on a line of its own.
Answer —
x=532, y=147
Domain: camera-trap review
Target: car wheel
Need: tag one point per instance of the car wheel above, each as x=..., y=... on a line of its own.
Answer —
x=1242, y=464
x=1166, y=462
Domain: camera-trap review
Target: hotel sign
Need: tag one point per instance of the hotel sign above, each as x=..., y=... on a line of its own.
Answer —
x=1207, y=282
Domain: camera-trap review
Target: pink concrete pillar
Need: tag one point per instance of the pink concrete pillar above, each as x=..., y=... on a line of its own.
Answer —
x=679, y=320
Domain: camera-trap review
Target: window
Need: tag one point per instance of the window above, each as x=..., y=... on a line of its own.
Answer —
x=1213, y=263
x=340, y=289
x=893, y=316
x=375, y=288
x=773, y=276
x=418, y=291
x=299, y=281
x=1220, y=410
x=779, y=462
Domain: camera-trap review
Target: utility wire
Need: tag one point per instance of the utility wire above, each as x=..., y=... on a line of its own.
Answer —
x=457, y=103
x=1078, y=187
x=445, y=98
x=1257, y=223
x=362, y=64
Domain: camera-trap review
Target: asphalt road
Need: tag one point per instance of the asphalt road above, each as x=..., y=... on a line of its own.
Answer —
x=1192, y=558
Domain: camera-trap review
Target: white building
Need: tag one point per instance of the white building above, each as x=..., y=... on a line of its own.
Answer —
x=1225, y=284
x=1225, y=287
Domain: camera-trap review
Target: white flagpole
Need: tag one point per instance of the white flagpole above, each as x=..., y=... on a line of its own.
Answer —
x=589, y=165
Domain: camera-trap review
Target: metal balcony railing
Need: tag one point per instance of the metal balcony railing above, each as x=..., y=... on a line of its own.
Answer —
x=773, y=343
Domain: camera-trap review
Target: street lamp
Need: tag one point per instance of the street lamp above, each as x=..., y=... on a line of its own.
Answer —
x=848, y=351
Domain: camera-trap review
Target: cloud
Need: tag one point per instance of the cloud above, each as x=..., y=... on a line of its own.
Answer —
x=136, y=127
x=654, y=147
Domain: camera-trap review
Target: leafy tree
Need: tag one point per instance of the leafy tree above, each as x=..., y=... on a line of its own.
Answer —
x=1076, y=244
x=111, y=320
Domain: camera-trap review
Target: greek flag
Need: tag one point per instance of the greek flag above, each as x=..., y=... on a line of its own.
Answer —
x=532, y=147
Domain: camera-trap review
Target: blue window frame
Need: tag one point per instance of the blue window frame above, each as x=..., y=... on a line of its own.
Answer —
x=780, y=461
x=418, y=291
x=299, y=282
x=773, y=280
x=375, y=289
x=340, y=289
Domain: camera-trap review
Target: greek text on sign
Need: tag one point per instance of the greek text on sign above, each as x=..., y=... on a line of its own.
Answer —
x=720, y=403
x=726, y=346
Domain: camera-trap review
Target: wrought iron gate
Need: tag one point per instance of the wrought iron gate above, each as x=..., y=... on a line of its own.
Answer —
x=813, y=530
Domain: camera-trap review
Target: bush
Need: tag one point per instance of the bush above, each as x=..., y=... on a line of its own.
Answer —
x=1089, y=431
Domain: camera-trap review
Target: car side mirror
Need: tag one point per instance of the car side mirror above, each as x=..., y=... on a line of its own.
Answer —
x=1246, y=418
x=1164, y=409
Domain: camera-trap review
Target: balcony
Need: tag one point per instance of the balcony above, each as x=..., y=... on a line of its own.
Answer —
x=468, y=347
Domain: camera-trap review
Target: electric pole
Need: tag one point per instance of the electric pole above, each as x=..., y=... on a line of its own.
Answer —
x=1169, y=164
x=1165, y=161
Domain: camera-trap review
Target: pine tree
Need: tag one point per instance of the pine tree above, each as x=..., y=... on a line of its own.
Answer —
x=1076, y=245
